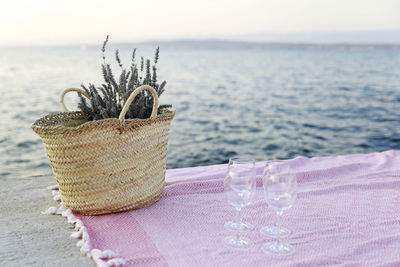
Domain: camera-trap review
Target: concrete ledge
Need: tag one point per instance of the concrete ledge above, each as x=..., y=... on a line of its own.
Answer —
x=26, y=236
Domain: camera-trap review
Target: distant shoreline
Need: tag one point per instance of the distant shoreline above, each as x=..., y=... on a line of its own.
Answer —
x=226, y=44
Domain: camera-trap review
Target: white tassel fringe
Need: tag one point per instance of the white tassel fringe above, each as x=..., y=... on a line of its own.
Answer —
x=51, y=210
x=106, y=258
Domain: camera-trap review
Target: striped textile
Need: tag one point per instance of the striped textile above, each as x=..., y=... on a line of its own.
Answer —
x=347, y=213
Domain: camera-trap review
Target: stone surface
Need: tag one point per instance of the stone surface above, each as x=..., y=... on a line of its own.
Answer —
x=28, y=238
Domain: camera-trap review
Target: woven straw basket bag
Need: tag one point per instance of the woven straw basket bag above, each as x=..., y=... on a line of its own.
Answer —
x=108, y=165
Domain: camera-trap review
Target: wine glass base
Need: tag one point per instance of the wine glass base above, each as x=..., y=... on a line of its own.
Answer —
x=274, y=231
x=242, y=243
x=234, y=226
x=276, y=248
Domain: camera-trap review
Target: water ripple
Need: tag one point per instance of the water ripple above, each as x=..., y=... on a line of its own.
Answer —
x=266, y=104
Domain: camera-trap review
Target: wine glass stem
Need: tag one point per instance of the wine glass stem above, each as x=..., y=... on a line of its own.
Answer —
x=239, y=222
x=278, y=227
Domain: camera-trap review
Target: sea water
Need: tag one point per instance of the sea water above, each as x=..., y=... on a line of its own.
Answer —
x=265, y=103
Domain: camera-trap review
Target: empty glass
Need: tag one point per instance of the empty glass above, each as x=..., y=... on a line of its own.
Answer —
x=236, y=165
x=280, y=191
x=274, y=231
x=239, y=186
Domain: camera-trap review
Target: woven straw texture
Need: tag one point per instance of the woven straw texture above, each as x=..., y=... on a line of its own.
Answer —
x=108, y=165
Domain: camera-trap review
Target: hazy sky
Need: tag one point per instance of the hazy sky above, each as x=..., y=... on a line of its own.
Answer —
x=85, y=21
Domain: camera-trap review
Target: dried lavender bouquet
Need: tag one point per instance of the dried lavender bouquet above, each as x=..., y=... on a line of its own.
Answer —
x=107, y=100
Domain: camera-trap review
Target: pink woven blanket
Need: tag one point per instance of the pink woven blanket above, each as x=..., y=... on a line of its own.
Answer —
x=347, y=213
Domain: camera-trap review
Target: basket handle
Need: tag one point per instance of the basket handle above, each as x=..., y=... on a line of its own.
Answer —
x=61, y=101
x=132, y=97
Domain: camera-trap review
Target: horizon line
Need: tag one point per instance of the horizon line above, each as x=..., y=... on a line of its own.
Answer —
x=389, y=36
x=208, y=41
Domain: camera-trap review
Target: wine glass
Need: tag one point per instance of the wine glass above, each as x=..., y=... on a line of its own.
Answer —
x=274, y=231
x=237, y=165
x=239, y=186
x=280, y=191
